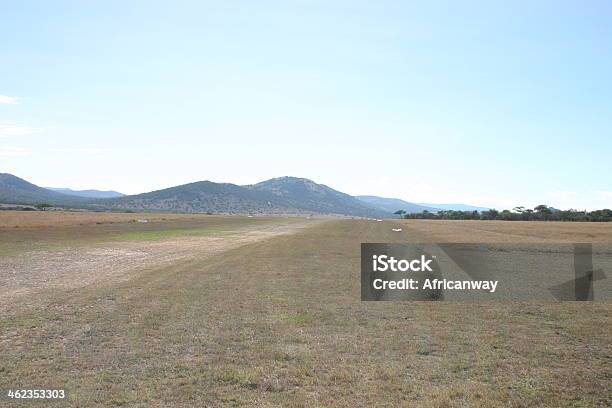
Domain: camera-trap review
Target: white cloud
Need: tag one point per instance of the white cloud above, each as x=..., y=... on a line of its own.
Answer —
x=8, y=100
x=79, y=150
x=13, y=151
x=9, y=129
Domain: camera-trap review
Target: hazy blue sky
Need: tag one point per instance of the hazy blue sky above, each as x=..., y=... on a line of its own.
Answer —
x=493, y=103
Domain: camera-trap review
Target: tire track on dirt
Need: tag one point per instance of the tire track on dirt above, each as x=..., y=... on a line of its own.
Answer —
x=73, y=267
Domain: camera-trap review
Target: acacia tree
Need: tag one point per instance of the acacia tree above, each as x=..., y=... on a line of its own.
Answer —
x=400, y=213
x=543, y=211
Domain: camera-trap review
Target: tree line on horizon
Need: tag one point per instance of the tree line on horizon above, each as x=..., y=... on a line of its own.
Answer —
x=539, y=213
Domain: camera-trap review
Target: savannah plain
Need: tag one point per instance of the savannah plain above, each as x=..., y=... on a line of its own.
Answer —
x=196, y=310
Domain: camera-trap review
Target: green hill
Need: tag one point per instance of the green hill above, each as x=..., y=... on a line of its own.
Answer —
x=285, y=195
x=14, y=190
x=307, y=195
x=201, y=196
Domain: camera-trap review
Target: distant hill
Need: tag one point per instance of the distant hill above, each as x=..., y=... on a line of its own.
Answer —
x=87, y=193
x=285, y=195
x=392, y=205
x=456, y=207
x=15, y=190
x=307, y=195
x=201, y=196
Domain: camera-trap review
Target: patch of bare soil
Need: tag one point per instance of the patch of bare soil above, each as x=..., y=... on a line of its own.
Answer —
x=73, y=267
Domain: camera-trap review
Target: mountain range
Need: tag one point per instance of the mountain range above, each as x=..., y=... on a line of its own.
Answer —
x=86, y=193
x=283, y=195
x=392, y=205
x=455, y=207
x=14, y=190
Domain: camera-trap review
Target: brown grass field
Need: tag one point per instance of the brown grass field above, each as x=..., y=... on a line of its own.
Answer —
x=191, y=311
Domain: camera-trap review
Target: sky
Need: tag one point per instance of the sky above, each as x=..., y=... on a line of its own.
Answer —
x=489, y=103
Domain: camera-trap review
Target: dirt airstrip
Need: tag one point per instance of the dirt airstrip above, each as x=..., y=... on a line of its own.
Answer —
x=99, y=255
x=214, y=311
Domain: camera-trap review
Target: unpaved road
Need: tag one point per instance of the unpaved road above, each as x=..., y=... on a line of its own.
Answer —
x=249, y=312
x=76, y=265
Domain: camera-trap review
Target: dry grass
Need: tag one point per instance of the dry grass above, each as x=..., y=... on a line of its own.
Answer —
x=510, y=231
x=119, y=251
x=278, y=322
x=43, y=219
x=55, y=229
